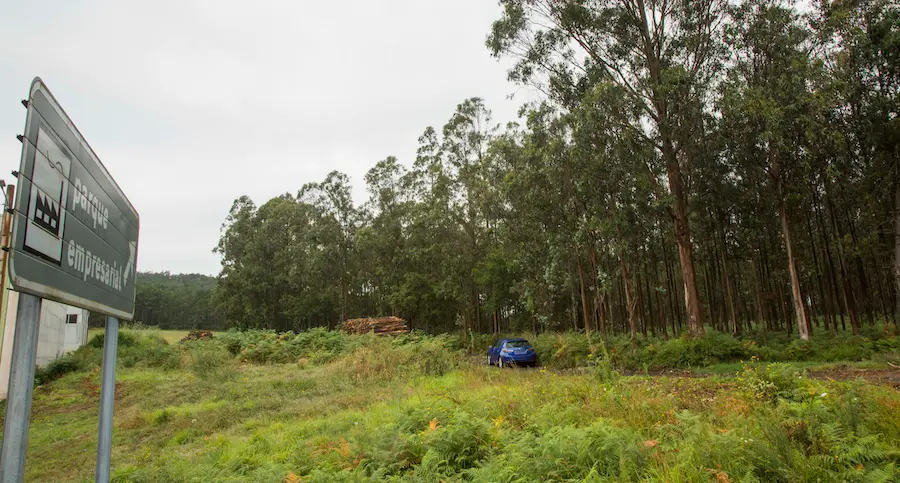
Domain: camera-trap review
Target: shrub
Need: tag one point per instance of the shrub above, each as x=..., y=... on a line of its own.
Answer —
x=599, y=452
x=267, y=346
x=134, y=348
x=209, y=362
x=602, y=369
x=383, y=358
x=771, y=381
x=855, y=348
x=56, y=369
x=801, y=350
x=232, y=341
x=712, y=348
x=563, y=350
x=888, y=344
x=126, y=339
x=459, y=441
x=146, y=349
x=475, y=343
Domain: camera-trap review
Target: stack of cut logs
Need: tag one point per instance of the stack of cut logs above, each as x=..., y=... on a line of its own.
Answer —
x=197, y=335
x=379, y=325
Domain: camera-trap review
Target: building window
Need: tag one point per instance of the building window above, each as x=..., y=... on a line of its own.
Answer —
x=72, y=318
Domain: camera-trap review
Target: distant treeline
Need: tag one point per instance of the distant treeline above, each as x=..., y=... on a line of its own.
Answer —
x=177, y=301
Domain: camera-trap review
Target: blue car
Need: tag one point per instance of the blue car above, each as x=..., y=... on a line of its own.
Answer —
x=508, y=352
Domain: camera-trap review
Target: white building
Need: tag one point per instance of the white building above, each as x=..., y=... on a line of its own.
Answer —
x=63, y=329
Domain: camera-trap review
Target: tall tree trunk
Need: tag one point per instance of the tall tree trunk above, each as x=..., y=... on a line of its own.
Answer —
x=597, y=314
x=799, y=306
x=823, y=303
x=832, y=276
x=651, y=314
x=897, y=251
x=811, y=313
x=771, y=293
x=850, y=300
x=629, y=301
x=620, y=310
x=784, y=312
x=718, y=296
x=673, y=172
x=670, y=289
x=574, y=310
x=585, y=305
x=685, y=250
x=477, y=308
x=642, y=316
x=657, y=288
x=729, y=292
x=865, y=292
x=745, y=310
x=710, y=298
x=644, y=295
x=466, y=322
x=885, y=293
x=601, y=312
x=662, y=315
x=757, y=291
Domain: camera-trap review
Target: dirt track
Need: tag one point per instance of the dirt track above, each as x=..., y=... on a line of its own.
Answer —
x=888, y=377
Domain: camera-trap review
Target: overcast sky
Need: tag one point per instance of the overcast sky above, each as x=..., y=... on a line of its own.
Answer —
x=190, y=104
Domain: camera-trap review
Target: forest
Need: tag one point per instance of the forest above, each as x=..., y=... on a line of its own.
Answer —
x=691, y=165
x=179, y=301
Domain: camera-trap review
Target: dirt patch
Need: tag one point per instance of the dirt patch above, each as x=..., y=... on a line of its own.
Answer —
x=664, y=373
x=887, y=377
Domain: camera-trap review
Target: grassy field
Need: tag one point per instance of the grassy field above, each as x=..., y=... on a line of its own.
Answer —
x=170, y=336
x=361, y=409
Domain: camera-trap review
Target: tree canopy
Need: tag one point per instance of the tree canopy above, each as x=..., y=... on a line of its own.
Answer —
x=693, y=164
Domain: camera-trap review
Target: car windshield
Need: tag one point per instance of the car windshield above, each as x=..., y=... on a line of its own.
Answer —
x=515, y=344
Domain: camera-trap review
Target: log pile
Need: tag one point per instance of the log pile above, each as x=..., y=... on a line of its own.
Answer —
x=379, y=325
x=197, y=335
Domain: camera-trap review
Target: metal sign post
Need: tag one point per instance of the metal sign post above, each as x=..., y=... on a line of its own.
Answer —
x=21, y=385
x=74, y=240
x=107, y=399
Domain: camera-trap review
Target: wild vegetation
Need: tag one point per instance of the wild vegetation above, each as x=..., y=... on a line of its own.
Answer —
x=694, y=165
x=327, y=406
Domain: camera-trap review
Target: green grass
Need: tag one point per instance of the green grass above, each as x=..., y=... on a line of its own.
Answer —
x=170, y=336
x=380, y=410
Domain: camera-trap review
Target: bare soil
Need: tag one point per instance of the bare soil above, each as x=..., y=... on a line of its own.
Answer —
x=887, y=377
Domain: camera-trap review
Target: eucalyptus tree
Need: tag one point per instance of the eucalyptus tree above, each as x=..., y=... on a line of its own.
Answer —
x=765, y=107
x=381, y=240
x=861, y=48
x=335, y=224
x=663, y=54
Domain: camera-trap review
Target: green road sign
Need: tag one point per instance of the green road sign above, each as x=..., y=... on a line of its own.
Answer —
x=75, y=234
